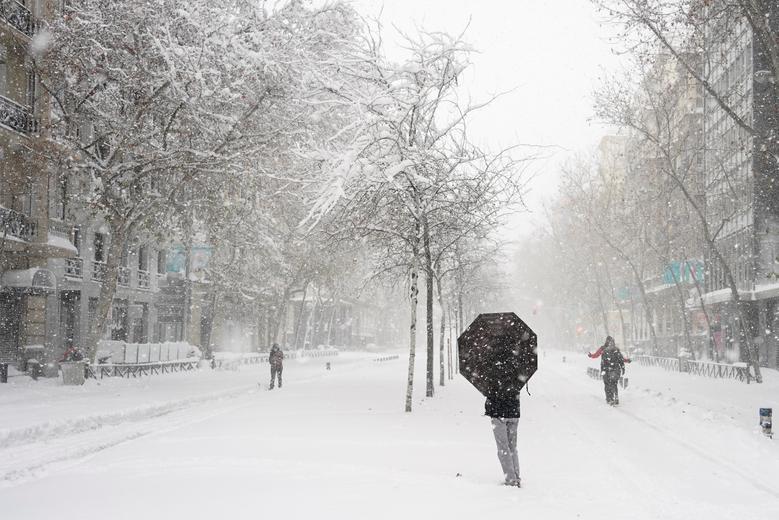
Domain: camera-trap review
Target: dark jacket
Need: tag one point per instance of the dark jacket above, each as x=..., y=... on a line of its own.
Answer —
x=612, y=361
x=502, y=408
x=276, y=357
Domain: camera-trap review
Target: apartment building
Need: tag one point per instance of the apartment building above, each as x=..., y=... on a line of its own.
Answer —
x=29, y=237
x=742, y=195
x=664, y=149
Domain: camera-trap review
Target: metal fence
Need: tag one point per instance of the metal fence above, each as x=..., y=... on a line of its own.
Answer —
x=120, y=352
x=229, y=360
x=100, y=371
x=671, y=364
x=120, y=359
x=739, y=372
x=718, y=370
x=387, y=358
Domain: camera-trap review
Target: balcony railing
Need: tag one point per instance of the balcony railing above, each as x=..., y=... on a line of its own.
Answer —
x=17, y=117
x=16, y=224
x=98, y=271
x=74, y=267
x=18, y=16
x=60, y=228
x=124, y=276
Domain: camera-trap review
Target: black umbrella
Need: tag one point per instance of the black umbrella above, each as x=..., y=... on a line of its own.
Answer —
x=498, y=354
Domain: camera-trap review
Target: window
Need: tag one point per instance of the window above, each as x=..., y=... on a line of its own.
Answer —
x=143, y=259
x=77, y=239
x=3, y=71
x=62, y=198
x=99, y=247
x=22, y=200
x=161, y=261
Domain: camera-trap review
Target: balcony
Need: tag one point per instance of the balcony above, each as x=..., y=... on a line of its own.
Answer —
x=98, y=271
x=15, y=224
x=18, y=17
x=124, y=276
x=144, y=279
x=74, y=267
x=17, y=117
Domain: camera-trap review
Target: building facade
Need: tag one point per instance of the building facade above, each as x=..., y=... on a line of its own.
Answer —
x=742, y=190
x=29, y=236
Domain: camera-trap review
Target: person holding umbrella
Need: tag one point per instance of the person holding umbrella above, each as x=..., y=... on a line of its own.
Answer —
x=498, y=356
x=504, y=412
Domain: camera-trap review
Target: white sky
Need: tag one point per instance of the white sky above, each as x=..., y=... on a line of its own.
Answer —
x=550, y=52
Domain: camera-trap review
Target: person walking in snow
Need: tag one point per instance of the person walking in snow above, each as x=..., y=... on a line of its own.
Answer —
x=599, y=352
x=612, y=367
x=276, y=360
x=504, y=413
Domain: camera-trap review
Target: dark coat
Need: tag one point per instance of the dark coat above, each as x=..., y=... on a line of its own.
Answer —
x=276, y=358
x=612, y=362
x=502, y=408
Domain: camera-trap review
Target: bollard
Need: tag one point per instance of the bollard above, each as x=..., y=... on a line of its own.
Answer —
x=3, y=372
x=765, y=421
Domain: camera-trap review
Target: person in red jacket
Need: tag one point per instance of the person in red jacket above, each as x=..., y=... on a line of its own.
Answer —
x=599, y=352
x=612, y=366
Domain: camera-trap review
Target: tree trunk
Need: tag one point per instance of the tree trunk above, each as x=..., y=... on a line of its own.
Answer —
x=281, y=314
x=300, y=320
x=604, y=314
x=615, y=298
x=647, y=311
x=428, y=310
x=442, y=334
x=331, y=320
x=449, y=359
x=208, y=329
x=683, y=307
x=107, y=291
x=188, y=287
x=705, y=315
x=414, y=295
x=308, y=325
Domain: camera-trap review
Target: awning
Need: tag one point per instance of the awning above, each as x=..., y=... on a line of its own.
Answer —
x=34, y=278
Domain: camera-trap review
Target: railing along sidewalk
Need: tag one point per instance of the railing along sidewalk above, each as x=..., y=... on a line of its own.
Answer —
x=671, y=364
x=738, y=372
x=718, y=370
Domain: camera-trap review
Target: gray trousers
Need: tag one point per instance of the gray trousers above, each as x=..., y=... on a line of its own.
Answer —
x=505, y=431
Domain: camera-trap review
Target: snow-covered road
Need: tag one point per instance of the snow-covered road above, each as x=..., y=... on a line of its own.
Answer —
x=336, y=444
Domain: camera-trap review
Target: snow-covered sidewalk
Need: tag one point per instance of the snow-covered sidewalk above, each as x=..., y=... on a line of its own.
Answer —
x=337, y=444
x=38, y=410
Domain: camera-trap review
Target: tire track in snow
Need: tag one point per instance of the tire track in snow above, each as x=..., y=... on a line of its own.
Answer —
x=702, y=454
x=28, y=462
x=668, y=434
